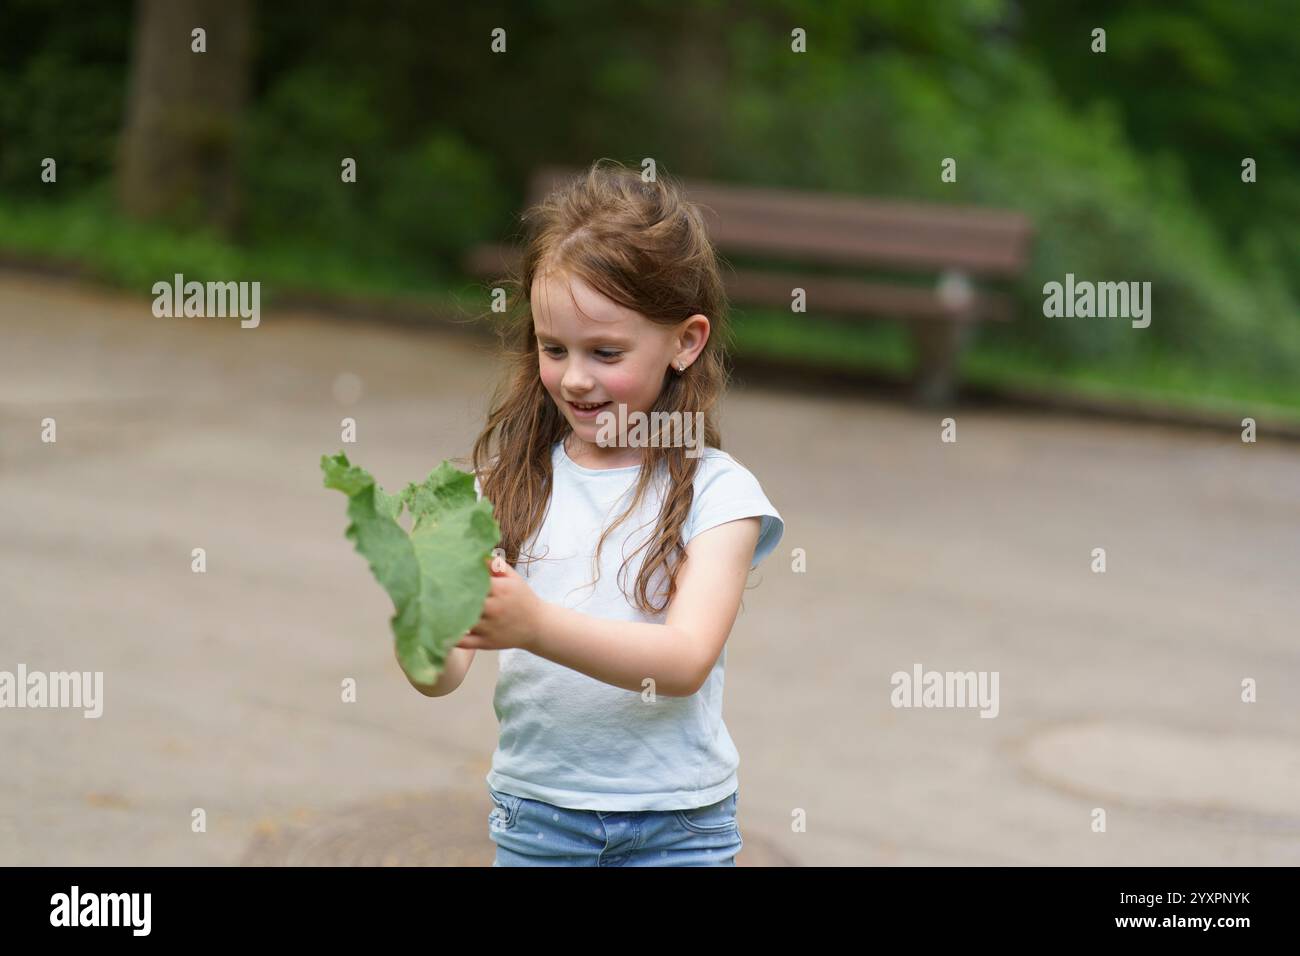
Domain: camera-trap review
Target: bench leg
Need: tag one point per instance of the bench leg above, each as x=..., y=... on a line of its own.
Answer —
x=937, y=347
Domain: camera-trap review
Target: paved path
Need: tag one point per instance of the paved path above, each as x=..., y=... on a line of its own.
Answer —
x=222, y=690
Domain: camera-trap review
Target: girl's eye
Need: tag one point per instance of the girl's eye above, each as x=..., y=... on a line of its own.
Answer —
x=607, y=354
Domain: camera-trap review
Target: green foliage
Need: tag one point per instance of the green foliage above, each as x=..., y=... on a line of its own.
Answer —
x=424, y=201
x=436, y=574
x=61, y=91
x=439, y=198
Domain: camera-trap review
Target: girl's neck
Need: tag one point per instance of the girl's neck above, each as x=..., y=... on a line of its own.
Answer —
x=589, y=455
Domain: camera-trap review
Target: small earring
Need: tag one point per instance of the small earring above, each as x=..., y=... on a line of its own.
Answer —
x=681, y=367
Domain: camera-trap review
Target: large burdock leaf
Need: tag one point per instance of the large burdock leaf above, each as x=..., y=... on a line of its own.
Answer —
x=437, y=573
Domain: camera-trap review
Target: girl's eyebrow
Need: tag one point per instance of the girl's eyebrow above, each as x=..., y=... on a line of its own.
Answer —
x=607, y=339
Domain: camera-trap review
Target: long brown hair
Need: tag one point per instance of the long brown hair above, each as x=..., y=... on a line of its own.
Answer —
x=644, y=246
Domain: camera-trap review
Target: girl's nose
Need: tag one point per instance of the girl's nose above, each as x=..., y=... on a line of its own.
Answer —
x=576, y=379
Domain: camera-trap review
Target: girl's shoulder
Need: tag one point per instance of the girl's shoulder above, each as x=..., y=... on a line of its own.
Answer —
x=715, y=462
x=709, y=453
x=723, y=471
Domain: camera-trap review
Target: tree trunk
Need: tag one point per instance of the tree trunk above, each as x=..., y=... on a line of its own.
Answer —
x=177, y=156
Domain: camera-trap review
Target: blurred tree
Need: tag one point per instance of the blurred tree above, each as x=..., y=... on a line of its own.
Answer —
x=186, y=93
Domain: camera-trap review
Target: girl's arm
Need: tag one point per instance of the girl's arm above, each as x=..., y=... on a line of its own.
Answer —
x=457, y=667
x=677, y=655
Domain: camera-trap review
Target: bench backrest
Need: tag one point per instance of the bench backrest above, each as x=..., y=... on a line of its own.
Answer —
x=850, y=231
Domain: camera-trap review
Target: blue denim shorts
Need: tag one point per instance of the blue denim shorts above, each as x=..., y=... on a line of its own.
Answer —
x=533, y=833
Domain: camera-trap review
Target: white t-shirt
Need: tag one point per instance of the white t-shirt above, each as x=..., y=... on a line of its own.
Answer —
x=573, y=741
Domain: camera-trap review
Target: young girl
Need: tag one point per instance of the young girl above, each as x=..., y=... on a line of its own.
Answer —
x=612, y=750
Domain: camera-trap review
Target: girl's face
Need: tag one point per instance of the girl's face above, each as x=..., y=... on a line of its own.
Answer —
x=591, y=351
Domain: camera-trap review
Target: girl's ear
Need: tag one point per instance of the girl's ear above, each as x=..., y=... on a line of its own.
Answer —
x=692, y=337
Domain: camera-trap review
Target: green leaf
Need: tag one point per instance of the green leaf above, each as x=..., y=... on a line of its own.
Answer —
x=436, y=574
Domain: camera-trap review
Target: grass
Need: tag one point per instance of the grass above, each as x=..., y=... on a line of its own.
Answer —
x=86, y=232
x=129, y=254
x=877, y=346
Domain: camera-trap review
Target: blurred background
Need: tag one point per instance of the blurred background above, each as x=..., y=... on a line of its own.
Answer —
x=1128, y=163
x=1120, y=690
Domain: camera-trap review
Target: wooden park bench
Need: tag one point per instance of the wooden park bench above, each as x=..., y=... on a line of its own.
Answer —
x=927, y=259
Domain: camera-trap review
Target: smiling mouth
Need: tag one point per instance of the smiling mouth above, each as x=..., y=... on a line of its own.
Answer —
x=588, y=406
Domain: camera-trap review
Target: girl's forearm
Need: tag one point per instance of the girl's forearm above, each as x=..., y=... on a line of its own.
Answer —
x=622, y=653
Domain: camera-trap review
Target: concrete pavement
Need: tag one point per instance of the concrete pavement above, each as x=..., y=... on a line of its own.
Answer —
x=1119, y=691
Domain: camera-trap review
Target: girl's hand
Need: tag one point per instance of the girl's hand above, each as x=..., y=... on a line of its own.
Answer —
x=510, y=614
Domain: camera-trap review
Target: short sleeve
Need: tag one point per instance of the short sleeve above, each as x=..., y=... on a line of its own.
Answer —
x=725, y=491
